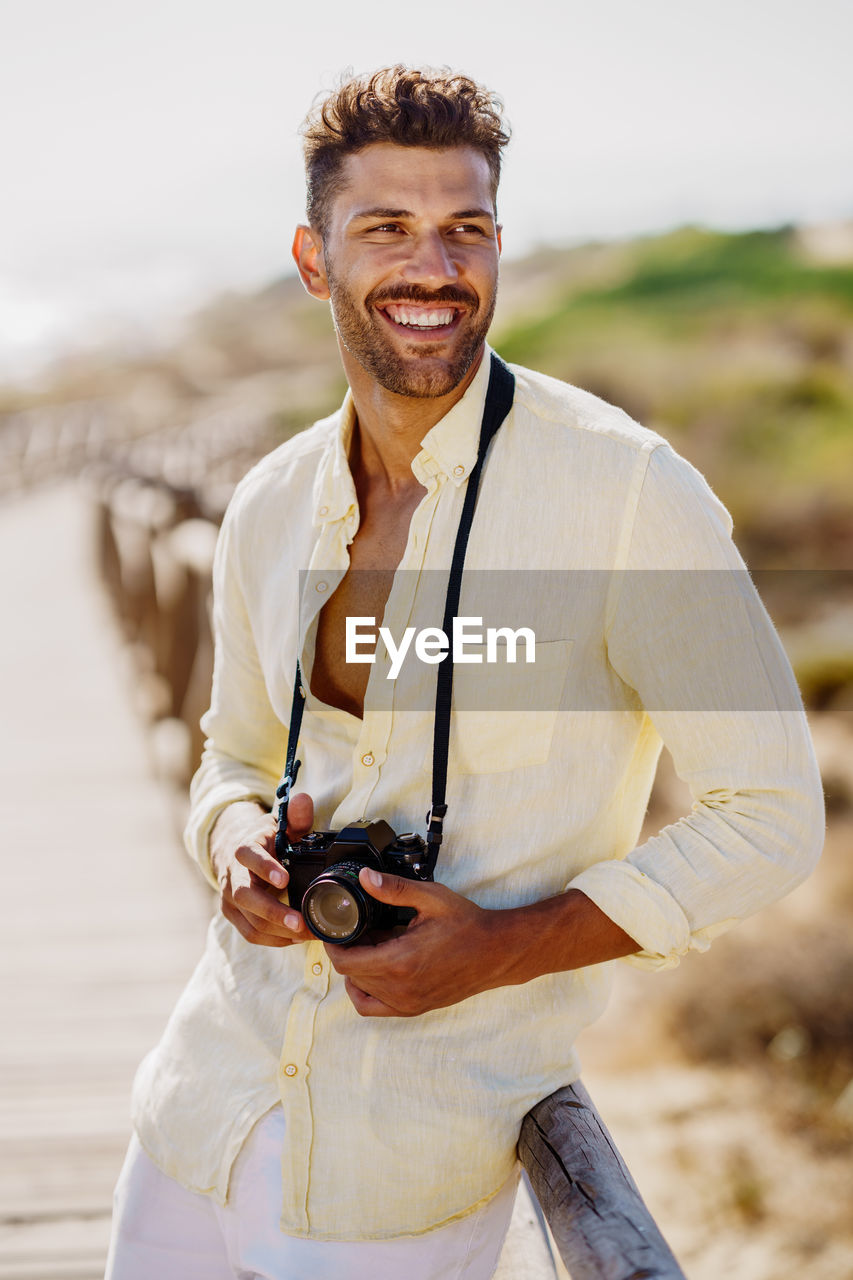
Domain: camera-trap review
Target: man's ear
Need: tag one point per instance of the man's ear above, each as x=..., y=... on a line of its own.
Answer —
x=308, y=256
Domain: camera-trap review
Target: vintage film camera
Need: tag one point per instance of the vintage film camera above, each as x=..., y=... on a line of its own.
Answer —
x=324, y=884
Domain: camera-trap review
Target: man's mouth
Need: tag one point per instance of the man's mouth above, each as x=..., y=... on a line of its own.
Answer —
x=419, y=317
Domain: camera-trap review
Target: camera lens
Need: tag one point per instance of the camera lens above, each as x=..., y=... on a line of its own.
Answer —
x=335, y=906
x=332, y=909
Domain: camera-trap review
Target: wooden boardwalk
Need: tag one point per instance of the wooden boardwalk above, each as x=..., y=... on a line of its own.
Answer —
x=101, y=914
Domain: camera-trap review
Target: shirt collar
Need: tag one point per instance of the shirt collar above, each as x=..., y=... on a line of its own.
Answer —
x=449, y=449
x=334, y=489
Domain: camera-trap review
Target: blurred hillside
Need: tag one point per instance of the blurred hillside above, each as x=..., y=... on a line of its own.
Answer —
x=737, y=348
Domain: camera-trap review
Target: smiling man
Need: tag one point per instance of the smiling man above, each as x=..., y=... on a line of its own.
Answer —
x=314, y=1110
x=413, y=290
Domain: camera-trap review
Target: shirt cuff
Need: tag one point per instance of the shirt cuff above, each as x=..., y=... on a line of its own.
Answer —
x=201, y=822
x=646, y=912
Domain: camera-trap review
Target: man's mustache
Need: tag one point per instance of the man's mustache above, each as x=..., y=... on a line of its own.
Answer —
x=420, y=294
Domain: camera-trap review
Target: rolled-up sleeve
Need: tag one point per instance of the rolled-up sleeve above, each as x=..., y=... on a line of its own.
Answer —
x=689, y=634
x=245, y=740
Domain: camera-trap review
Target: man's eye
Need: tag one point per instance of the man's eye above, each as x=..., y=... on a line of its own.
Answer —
x=468, y=229
x=387, y=226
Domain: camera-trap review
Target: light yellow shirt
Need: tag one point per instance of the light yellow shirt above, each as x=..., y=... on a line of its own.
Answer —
x=397, y=1126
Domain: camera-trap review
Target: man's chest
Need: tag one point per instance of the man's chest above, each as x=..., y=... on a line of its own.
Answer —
x=374, y=554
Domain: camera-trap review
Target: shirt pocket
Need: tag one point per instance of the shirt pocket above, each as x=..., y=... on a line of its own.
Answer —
x=505, y=713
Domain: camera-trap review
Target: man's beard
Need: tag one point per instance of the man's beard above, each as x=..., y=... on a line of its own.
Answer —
x=360, y=330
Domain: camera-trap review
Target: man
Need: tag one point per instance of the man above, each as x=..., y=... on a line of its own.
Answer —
x=315, y=1110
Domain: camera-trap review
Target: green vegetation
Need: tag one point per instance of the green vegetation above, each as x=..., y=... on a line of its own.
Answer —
x=738, y=348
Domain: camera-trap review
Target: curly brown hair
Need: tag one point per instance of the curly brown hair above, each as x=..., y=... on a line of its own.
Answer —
x=413, y=108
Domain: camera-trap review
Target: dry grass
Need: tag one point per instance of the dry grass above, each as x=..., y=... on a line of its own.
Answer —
x=728, y=1082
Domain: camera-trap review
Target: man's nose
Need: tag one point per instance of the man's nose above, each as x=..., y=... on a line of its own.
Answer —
x=431, y=261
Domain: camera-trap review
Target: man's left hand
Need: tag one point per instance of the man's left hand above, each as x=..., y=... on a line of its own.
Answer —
x=447, y=953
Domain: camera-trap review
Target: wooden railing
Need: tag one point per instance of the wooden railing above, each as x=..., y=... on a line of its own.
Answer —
x=600, y=1223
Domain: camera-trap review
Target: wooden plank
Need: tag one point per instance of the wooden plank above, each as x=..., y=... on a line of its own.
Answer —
x=597, y=1216
x=62, y=1248
x=101, y=916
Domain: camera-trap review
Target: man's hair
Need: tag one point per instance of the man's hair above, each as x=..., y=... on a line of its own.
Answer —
x=413, y=108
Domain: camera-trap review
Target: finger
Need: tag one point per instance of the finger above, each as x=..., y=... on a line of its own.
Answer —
x=363, y=960
x=255, y=930
x=300, y=816
x=266, y=836
x=288, y=925
x=399, y=892
x=257, y=860
x=255, y=900
x=369, y=1006
x=293, y=928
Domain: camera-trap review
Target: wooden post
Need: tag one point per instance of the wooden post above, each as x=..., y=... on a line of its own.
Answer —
x=597, y=1216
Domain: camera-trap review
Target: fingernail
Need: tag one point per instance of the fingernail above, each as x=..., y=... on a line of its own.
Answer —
x=277, y=877
x=291, y=921
x=373, y=877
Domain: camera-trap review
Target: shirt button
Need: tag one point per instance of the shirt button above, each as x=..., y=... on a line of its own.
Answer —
x=368, y=759
x=324, y=511
x=459, y=470
x=290, y=1069
x=321, y=587
x=317, y=969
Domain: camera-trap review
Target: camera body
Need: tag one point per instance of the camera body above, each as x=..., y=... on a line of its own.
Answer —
x=324, y=884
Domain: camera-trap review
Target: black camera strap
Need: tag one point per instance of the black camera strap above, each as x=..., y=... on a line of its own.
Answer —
x=498, y=404
x=499, y=396
x=291, y=767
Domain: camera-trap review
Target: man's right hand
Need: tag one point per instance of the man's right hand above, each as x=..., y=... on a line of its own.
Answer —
x=250, y=878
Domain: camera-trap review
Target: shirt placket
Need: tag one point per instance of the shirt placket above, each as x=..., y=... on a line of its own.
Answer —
x=371, y=750
x=305, y=1016
x=293, y=1083
x=328, y=566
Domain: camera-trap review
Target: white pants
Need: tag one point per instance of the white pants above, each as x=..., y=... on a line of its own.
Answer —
x=161, y=1229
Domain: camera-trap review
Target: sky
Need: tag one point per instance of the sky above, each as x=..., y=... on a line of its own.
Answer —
x=150, y=150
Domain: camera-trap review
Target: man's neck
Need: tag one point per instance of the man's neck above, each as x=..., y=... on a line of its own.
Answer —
x=390, y=427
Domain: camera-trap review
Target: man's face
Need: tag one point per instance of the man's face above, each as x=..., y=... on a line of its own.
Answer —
x=410, y=256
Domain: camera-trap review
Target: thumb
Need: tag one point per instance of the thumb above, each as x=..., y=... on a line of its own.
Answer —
x=396, y=890
x=300, y=816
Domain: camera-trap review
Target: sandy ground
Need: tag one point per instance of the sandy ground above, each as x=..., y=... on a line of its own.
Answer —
x=746, y=1166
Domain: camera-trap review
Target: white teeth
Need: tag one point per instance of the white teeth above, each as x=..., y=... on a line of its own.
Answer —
x=417, y=319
